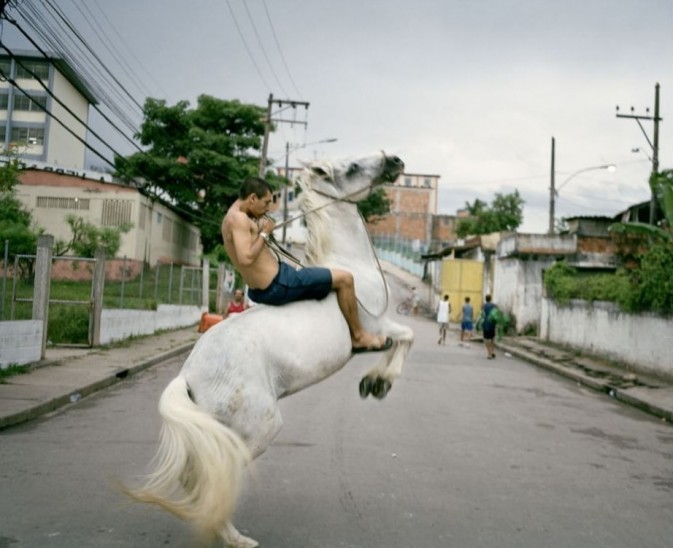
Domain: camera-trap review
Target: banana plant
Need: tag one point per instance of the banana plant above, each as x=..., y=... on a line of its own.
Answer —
x=662, y=187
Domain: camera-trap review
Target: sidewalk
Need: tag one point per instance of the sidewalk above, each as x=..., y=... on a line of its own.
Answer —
x=650, y=394
x=68, y=374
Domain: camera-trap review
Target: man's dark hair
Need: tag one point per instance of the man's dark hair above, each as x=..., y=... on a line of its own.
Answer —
x=488, y=298
x=254, y=185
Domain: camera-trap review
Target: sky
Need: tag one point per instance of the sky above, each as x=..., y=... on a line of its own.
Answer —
x=472, y=91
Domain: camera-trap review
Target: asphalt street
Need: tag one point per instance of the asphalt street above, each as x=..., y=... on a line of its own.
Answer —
x=464, y=452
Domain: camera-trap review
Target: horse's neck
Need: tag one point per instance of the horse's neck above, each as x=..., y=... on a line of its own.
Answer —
x=338, y=238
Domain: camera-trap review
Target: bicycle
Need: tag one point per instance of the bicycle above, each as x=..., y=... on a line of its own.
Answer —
x=404, y=307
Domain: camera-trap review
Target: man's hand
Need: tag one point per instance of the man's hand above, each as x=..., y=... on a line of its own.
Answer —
x=266, y=224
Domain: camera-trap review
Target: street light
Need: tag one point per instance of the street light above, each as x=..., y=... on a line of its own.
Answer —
x=287, y=175
x=554, y=190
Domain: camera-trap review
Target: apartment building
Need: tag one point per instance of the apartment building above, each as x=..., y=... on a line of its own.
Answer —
x=54, y=180
x=25, y=128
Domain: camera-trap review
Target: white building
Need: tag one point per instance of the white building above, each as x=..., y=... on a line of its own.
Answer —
x=25, y=127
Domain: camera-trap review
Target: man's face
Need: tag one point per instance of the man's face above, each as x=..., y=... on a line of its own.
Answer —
x=260, y=206
x=238, y=295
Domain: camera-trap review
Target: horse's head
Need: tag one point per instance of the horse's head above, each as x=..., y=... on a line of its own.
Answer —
x=351, y=180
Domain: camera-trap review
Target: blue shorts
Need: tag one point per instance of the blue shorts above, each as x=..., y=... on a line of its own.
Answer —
x=466, y=326
x=292, y=285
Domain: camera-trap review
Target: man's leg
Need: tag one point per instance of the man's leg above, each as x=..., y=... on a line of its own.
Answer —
x=344, y=285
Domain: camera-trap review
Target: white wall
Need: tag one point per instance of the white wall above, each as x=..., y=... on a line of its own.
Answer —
x=20, y=342
x=118, y=324
x=641, y=340
x=518, y=289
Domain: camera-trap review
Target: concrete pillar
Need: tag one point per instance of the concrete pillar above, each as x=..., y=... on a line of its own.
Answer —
x=205, y=286
x=45, y=245
x=98, y=288
x=219, y=295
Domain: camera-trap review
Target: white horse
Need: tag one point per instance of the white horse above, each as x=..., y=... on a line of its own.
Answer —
x=221, y=411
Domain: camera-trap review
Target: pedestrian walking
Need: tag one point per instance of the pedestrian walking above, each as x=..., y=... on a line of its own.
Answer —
x=466, y=321
x=443, y=312
x=488, y=312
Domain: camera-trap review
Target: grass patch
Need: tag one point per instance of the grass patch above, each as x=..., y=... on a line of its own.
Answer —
x=12, y=370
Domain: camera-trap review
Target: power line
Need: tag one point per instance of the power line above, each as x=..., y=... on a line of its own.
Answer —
x=245, y=44
x=261, y=45
x=280, y=50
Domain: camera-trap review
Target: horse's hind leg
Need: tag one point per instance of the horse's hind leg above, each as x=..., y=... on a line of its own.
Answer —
x=257, y=440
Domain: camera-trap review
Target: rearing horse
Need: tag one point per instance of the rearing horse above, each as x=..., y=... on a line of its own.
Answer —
x=221, y=411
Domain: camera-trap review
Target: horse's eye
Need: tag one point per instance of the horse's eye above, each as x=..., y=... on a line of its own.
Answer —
x=353, y=169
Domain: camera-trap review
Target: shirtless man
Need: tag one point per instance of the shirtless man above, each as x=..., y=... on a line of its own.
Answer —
x=277, y=283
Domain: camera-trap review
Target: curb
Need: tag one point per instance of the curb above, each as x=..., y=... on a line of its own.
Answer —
x=611, y=390
x=58, y=402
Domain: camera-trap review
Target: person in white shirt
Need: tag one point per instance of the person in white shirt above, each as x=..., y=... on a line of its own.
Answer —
x=443, y=311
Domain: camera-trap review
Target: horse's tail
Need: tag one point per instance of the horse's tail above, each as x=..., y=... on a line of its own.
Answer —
x=199, y=464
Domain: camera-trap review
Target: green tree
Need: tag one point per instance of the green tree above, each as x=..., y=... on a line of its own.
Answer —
x=504, y=213
x=196, y=158
x=662, y=188
x=15, y=221
x=87, y=238
x=375, y=206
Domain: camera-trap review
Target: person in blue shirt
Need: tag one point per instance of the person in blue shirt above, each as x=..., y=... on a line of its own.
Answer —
x=466, y=321
x=489, y=326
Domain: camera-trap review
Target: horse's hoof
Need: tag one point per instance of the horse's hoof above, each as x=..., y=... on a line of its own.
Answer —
x=366, y=387
x=381, y=388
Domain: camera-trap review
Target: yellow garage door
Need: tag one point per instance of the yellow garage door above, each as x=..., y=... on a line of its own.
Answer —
x=462, y=278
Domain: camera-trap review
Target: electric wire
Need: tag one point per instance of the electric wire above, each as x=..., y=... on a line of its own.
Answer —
x=245, y=44
x=108, y=44
x=130, y=50
x=263, y=49
x=51, y=36
x=280, y=50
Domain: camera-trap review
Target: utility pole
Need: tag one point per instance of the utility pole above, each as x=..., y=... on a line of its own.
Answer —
x=287, y=103
x=552, y=188
x=653, y=145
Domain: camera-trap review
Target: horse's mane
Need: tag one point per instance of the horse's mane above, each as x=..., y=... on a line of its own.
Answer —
x=318, y=236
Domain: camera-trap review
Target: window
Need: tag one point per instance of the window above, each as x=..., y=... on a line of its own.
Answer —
x=116, y=212
x=5, y=67
x=407, y=181
x=51, y=202
x=39, y=68
x=159, y=217
x=4, y=101
x=34, y=102
x=27, y=135
x=427, y=183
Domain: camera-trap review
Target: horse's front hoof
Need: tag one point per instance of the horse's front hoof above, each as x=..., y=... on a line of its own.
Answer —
x=366, y=387
x=381, y=388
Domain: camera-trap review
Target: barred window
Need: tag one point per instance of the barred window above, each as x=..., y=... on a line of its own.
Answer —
x=116, y=212
x=32, y=103
x=39, y=68
x=51, y=202
x=4, y=101
x=27, y=135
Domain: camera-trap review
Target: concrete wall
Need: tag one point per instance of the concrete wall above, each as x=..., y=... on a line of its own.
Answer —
x=117, y=324
x=641, y=340
x=20, y=342
x=518, y=289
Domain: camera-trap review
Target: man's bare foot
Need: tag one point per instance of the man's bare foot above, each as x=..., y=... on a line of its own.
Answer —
x=371, y=343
